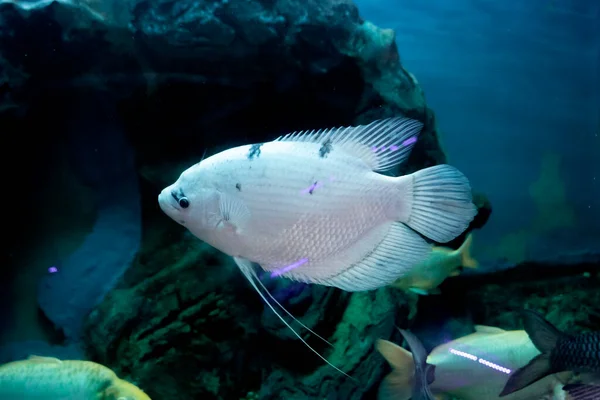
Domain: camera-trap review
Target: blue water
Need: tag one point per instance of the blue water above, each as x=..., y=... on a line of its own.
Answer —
x=511, y=82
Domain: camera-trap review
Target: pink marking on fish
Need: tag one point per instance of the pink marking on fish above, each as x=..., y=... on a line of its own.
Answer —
x=409, y=141
x=290, y=267
x=311, y=188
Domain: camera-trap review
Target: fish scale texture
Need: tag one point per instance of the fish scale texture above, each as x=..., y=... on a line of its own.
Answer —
x=578, y=352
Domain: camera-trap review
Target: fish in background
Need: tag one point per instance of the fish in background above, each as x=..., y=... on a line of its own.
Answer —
x=312, y=207
x=559, y=352
x=441, y=263
x=49, y=378
x=473, y=367
x=424, y=373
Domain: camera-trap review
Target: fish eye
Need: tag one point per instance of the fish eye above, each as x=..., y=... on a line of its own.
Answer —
x=184, y=202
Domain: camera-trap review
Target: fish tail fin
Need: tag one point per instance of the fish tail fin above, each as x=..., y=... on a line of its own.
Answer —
x=397, y=385
x=464, y=250
x=542, y=333
x=536, y=369
x=424, y=373
x=248, y=271
x=544, y=336
x=436, y=202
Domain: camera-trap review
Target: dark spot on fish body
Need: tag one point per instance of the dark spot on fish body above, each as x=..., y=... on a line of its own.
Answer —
x=254, y=151
x=325, y=148
x=238, y=186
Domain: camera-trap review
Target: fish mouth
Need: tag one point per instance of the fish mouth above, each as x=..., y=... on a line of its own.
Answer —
x=167, y=206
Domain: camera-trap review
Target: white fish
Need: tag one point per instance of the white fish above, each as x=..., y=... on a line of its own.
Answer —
x=310, y=206
x=473, y=367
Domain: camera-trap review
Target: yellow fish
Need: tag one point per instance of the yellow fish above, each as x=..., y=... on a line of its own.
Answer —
x=42, y=378
x=473, y=367
x=441, y=263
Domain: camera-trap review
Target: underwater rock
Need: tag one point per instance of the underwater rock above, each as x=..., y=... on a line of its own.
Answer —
x=188, y=330
x=194, y=327
x=569, y=298
x=103, y=161
x=252, y=69
x=186, y=76
x=366, y=317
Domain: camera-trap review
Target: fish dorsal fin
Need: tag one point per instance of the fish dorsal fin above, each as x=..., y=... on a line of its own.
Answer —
x=247, y=269
x=382, y=144
x=488, y=329
x=41, y=359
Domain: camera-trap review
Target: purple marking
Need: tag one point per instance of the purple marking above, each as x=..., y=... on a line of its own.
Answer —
x=463, y=354
x=394, y=147
x=53, y=270
x=409, y=141
x=283, y=270
x=494, y=366
x=481, y=361
x=311, y=188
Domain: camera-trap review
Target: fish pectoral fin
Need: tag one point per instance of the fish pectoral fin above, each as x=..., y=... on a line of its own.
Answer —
x=382, y=144
x=113, y=393
x=234, y=212
x=42, y=359
x=419, y=291
x=488, y=329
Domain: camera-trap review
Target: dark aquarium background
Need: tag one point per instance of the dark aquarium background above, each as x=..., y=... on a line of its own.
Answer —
x=103, y=103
